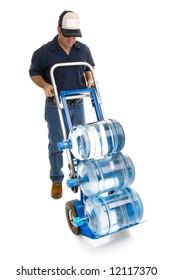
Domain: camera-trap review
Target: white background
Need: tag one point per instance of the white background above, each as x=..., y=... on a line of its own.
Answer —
x=132, y=44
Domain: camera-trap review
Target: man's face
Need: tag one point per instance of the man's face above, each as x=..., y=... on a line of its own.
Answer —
x=66, y=41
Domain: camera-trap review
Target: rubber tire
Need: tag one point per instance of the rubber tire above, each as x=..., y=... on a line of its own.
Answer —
x=75, y=189
x=70, y=210
x=111, y=192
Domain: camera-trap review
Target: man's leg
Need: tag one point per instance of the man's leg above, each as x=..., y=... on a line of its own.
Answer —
x=55, y=156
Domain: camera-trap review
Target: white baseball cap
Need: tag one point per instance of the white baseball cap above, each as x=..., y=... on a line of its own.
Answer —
x=69, y=24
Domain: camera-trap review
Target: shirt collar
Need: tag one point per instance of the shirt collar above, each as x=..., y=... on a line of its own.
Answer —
x=55, y=45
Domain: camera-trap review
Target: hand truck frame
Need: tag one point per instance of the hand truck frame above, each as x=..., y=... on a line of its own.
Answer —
x=75, y=208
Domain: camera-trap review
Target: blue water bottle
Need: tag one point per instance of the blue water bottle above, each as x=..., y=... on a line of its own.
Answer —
x=104, y=175
x=108, y=214
x=94, y=140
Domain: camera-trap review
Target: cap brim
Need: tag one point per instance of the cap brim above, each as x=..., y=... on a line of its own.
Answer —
x=71, y=32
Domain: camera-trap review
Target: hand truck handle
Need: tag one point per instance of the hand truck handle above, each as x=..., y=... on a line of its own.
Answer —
x=66, y=64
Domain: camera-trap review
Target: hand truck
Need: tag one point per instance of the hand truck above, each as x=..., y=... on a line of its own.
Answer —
x=75, y=208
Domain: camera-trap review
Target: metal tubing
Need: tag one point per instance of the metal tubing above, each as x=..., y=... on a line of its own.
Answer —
x=74, y=64
x=60, y=105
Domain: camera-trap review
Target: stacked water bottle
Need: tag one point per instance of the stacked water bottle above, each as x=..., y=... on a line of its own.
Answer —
x=104, y=175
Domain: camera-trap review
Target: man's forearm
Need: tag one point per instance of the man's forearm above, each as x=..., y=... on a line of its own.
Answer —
x=89, y=78
x=39, y=81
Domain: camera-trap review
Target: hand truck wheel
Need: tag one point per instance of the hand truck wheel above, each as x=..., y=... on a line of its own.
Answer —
x=71, y=213
x=111, y=192
x=75, y=189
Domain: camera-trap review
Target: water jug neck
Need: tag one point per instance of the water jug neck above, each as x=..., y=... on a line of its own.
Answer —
x=79, y=221
x=64, y=145
x=74, y=182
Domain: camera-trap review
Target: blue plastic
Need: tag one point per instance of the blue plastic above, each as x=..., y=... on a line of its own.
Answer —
x=85, y=230
x=108, y=214
x=102, y=169
x=64, y=145
x=104, y=175
x=80, y=221
x=95, y=139
x=79, y=92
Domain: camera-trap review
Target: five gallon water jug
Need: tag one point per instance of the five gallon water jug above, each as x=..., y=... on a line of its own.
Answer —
x=103, y=175
x=106, y=215
x=95, y=139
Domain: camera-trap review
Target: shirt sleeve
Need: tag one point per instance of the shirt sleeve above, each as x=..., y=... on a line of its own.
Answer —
x=36, y=67
x=89, y=59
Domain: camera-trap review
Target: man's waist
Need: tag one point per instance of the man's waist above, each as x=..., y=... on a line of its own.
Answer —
x=70, y=102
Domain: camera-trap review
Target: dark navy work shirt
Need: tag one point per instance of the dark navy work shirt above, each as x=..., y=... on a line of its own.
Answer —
x=71, y=77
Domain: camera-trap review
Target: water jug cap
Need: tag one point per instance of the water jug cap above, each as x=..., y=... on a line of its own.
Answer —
x=64, y=145
x=73, y=182
x=78, y=221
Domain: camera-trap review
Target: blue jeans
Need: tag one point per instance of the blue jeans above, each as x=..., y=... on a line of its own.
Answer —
x=55, y=134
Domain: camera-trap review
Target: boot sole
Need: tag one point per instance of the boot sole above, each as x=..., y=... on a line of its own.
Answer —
x=56, y=196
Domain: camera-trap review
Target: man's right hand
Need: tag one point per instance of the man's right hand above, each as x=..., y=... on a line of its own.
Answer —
x=48, y=90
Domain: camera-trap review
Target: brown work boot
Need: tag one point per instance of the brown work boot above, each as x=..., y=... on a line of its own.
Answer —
x=56, y=191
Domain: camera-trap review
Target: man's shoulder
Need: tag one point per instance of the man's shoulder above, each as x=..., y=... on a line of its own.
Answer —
x=81, y=45
x=47, y=46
